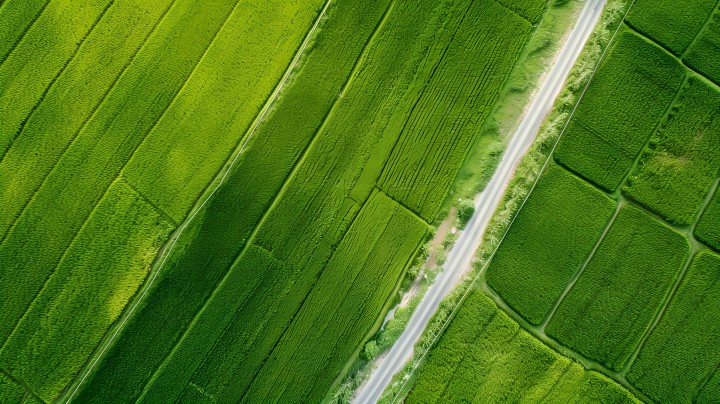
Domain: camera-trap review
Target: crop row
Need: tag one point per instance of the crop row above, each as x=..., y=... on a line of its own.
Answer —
x=80, y=300
x=454, y=104
x=548, y=243
x=16, y=16
x=209, y=246
x=531, y=10
x=628, y=95
x=10, y=392
x=34, y=64
x=680, y=162
x=484, y=356
x=608, y=309
x=687, y=337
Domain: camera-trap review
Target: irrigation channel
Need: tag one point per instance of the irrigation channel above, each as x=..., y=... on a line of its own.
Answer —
x=460, y=257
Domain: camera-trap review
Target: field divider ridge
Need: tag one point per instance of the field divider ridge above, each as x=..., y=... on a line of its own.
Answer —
x=702, y=30
x=32, y=23
x=544, y=166
x=84, y=124
x=583, y=266
x=54, y=79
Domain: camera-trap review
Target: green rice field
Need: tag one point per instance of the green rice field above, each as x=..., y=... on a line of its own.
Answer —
x=611, y=265
x=217, y=200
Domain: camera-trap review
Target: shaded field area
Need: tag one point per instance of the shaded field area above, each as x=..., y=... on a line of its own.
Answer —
x=217, y=200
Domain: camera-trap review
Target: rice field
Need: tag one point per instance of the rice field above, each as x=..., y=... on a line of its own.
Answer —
x=612, y=261
x=217, y=200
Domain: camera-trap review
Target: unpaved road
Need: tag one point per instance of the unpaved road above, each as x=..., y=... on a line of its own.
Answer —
x=460, y=257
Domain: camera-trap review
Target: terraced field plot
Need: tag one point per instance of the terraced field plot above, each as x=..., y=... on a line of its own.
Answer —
x=631, y=294
x=217, y=200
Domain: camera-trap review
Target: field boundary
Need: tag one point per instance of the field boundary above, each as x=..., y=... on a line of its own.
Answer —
x=444, y=325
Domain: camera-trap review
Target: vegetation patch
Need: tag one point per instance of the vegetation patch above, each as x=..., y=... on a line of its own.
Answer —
x=627, y=97
x=484, y=356
x=606, y=312
x=704, y=54
x=680, y=163
x=669, y=23
x=686, y=337
x=80, y=301
x=548, y=242
x=708, y=228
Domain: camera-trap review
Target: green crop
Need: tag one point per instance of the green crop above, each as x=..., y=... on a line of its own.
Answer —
x=704, y=54
x=548, y=242
x=671, y=24
x=681, y=161
x=686, y=338
x=627, y=97
x=708, y=227
x=606, y=312
x=484, y=356
x=80, y=301
x=453, y=106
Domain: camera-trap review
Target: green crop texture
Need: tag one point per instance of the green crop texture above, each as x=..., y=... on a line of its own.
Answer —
x=686, y=338
x=627, y=97
x=680, y=163
x=60, y=329
x=672, y=24
x=548, y=242
x=615, y=299
x=10, y=391
x=484, y=356
x=711, y=391
x=456, y=101
x=16, y=16
x=708, y=228
x=704, y=54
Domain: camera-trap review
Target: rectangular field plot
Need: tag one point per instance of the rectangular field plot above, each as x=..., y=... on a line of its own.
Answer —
x=681, y=162
x=453, y=106
x=687, y=337
x=627, y=97
x=708, y=228
x=10, y=392
x=704, y=54
x=671, y=23
x=615, y=299
x=549, y=240
x=484, y=356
